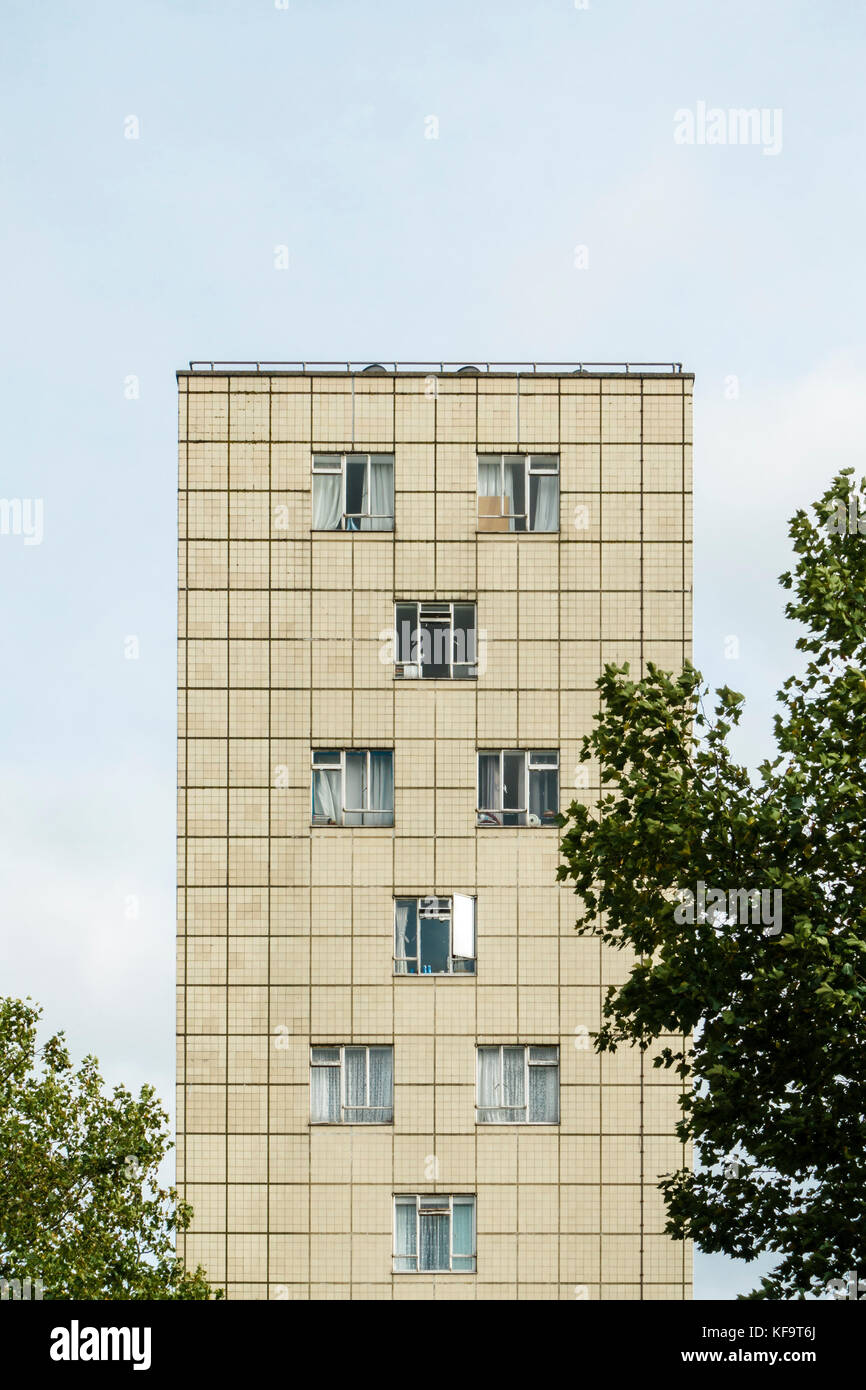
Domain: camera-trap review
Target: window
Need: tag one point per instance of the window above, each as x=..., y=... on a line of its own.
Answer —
x=353, y=787
x=434, y=936
x=518, y=492
x=352, y=1085
x=518, y=787
x=353, y=492
x=518, y=1085
x=434, y=1232
x=435, y=640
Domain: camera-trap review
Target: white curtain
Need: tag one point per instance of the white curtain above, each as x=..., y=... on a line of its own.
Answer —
x=489, y=1086
x=325, y=1094
x=381, y=1084
x=382, y=788
x=326, y=796
x=378, y=499
x=488, y=478
x=489, y=797
x=405, y=1234
x=544, y=490
x=544, y=1095
x=435, y=1233
x=405, y=938
x=356, y=781
x=513, y=1091
x=327, y=505
x=515, y=486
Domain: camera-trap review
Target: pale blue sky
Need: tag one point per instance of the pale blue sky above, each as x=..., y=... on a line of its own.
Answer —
x=306, y=127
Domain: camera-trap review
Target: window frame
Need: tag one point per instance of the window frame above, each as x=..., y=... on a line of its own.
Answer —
x=339, y=764
x=331, y=469
x=534, y=465
x=436, y=1203
x=530, y=766
x=450, y=973
x=528, y=1062
x=414, y=670
x=341, y=1064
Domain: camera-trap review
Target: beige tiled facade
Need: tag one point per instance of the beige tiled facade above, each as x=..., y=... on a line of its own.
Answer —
x=286, y=930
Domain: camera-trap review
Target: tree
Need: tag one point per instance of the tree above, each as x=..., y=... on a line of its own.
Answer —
x=80, y=1205
x=761, y=1012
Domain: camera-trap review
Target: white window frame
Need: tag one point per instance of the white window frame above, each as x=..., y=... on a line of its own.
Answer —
x=531, y=756
x=338, y=762
x=547, y=464
x=341, y=1063
x=528, y=1062
x=436, y=1202
x=408, y=670
x=428, y=912
x=324, y=463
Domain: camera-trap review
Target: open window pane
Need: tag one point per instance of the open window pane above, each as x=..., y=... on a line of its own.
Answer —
x=543, y=502
x=435, y=637
x=513, y=781
x=406, y=623
x=435, y=934
x=356, y=487
x=327, y=809
x=463, y=926
x=406, y=936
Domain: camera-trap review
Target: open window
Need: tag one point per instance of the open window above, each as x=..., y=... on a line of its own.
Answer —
x=433, y=1232
x=353, y=786
x=435, y=641
x=518, y=492
x=517, y=1085
x=352, y=1085
x=518, y=786
x=434, y=936
x=353, y=492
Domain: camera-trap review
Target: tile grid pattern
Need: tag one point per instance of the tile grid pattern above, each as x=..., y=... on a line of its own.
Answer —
x=537, y=1237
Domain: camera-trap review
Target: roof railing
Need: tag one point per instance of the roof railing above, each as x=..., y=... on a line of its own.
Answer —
x=468, y=368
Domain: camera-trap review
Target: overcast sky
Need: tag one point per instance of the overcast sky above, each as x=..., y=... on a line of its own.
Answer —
x=556, y=215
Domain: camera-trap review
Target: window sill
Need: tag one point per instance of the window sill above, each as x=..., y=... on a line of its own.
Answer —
x=385, y=825
x=519, y=535
x=355, y=535
x=463, y=977
x=552, y=1125
x=534, y=828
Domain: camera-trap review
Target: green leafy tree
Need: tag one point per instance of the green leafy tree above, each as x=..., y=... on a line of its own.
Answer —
x=763, y=1020
x=80, y=1205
